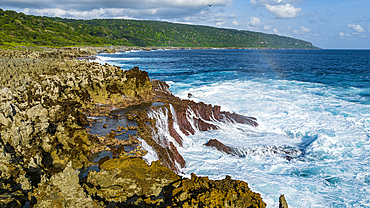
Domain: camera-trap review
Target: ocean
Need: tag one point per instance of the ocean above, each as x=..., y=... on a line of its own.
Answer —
x=313, y=109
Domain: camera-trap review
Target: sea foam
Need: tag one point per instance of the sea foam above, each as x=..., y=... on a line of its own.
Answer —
x=313, y=103
x=330, y=133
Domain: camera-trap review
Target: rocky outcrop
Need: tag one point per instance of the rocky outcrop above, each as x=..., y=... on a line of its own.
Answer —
x=44, y=100
x=182, y=118
x=163, y=127
x=46, y=106
x=202, y=192
x=284, y=152
x=48, y=53
x=130, y=182
x=282, y=202
x=239, y=118
x=62, y=190
x=220, y=147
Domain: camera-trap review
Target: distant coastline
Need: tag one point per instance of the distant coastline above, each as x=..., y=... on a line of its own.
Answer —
x=94, y=50
x=20, y=30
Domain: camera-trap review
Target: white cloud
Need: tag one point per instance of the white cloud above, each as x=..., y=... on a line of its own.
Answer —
x=285, y=11
x=96, y=13
x=235, y=23
x=253, y=2
x=220, y=23
x=281, y=9
x=275, y=30
x=174, y=10
x=304, y=29
x=267, y=27
x=356, y=28
x=88, y=5
x=270, y=2
x=255, y=22
x=342, y=35
x=187, y=3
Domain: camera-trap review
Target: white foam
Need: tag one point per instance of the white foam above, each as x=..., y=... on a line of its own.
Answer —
x=162, y=136
x=320, y=120
x=112, y=60
x=151, y=154
x=333, y=133
x=175, y=123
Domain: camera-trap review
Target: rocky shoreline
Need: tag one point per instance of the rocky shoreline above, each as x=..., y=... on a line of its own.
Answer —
x=75, y=133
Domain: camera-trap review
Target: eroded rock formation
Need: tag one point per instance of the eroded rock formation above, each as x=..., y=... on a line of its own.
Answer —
x=47, y=104
x=131, y=182
x=220, y=147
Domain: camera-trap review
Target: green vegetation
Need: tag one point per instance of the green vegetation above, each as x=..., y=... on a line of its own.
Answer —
x=18, y=29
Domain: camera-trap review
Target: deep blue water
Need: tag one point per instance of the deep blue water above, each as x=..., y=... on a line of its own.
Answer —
x=314, y=101
x=347, y=68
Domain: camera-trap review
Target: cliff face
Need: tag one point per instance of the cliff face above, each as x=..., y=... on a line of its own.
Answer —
x=48, y=105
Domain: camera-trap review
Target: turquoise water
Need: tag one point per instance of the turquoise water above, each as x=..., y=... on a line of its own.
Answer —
x=314, y=101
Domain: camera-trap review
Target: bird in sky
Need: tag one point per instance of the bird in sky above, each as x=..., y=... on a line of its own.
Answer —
x=209, y=5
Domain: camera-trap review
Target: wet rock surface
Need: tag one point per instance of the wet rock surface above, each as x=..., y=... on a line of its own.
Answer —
x=220, y=147
x=285, y=152
x=240, y=118
x=53, y=155
x=282, y=202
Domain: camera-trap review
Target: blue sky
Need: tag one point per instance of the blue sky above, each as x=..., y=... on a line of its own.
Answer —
x=327, y=24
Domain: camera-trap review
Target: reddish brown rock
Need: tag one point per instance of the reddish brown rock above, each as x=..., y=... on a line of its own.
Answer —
x=220, y=147
x=174, y=133
x=178, y=158
x=190, y=117
x=240, y=118
x=202, y=114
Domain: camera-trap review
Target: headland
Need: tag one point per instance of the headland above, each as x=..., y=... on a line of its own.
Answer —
x=74, y=133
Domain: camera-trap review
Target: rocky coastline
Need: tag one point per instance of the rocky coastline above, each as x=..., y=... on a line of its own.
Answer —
x=74, y=133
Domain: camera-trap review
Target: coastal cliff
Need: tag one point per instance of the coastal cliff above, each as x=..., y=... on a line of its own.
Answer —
x=75, y=133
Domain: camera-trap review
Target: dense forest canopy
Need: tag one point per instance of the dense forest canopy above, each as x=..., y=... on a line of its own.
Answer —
x=18, y=29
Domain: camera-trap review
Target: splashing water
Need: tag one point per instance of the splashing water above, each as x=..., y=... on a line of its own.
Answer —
x=313, y=107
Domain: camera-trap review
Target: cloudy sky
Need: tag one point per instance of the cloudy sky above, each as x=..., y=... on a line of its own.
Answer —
x=327, y=24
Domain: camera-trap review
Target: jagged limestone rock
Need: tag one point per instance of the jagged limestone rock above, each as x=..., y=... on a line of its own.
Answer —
x=131, y=182
x=121, y=179
x=282, y=202
x=12, y=199
x=63, y=190
x=202, y=192
x=44, y=101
